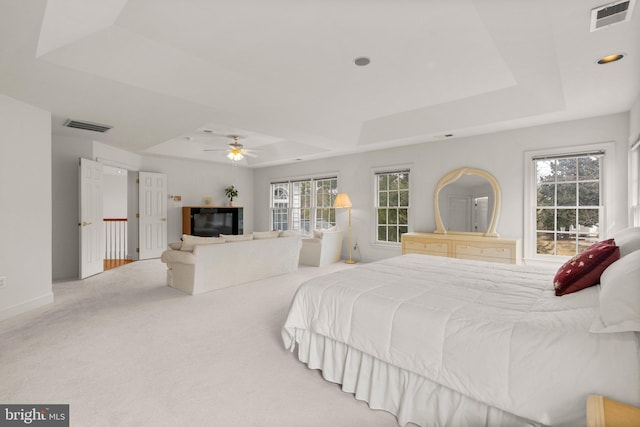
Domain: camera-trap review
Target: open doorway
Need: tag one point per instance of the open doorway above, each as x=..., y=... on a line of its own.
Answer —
x=115, y=213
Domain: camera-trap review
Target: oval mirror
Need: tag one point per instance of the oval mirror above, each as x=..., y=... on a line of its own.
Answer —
x=467, y=200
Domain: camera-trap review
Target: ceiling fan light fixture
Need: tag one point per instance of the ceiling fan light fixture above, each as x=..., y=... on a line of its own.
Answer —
x=235, y=155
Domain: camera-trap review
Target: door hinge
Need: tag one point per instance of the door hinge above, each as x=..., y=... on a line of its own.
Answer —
x=137, y=180
x=137, y=249
x=138, y=215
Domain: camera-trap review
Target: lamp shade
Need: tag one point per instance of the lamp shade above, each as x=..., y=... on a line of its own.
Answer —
x=342, y=201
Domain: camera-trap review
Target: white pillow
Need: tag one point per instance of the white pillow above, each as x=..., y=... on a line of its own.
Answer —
x=237, y=237
x=628, y=240
x=620, y=296
x=265, y=234
x=318, y=232
x=188, y=241
x=175, y=245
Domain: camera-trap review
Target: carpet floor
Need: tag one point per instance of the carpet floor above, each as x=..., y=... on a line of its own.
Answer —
x=123, y=349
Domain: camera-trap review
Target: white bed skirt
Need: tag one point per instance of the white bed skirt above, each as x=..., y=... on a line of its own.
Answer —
x=410, y=397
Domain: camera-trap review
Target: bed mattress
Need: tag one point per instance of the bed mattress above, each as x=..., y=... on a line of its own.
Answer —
x=494, y=333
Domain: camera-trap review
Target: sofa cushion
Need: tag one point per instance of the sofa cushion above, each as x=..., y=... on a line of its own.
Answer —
x=288, y=233
x=311, y=241
x=318, y=233
x=237, y=237
x=265, y=234
x=175, y=245
x=188, y=241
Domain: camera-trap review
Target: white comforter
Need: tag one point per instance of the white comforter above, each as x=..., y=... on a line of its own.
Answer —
x=496, y=333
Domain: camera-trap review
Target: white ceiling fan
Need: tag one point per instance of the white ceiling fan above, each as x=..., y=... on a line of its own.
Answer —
x=235, y=150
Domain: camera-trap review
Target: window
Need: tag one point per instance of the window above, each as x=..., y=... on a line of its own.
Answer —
x=303, y=204
x=392, y=205
x=566, y=207
x=326, y=191
x=279, y=206
x=634, y=184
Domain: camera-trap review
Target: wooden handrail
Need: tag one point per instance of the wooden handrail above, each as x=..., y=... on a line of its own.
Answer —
x=114, y=219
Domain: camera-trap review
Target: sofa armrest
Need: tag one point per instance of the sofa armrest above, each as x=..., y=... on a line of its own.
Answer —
x=319, y=251
x=178, y=257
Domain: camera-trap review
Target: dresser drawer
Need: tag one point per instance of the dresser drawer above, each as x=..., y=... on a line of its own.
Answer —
x=484, y=253
x=425, y=247
x=466, y=246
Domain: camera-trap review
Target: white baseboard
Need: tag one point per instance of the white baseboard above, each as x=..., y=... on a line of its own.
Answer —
x=26, y=306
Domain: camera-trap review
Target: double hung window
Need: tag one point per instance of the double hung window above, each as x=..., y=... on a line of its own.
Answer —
x=567, y=207
x=634, y=184
x=304, y=205
x=391, y=205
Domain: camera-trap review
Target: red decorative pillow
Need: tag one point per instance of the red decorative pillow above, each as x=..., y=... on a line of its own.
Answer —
x=584, y=269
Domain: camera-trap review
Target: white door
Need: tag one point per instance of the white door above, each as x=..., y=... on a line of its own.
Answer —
x=152, y=205
x=481, y=214
x=459, y=213
x=90, y=215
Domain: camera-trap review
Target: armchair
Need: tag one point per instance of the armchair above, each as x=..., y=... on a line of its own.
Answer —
x=324, y=248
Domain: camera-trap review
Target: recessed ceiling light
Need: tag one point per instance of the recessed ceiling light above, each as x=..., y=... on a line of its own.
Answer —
x=610, y=58
x=361, y=61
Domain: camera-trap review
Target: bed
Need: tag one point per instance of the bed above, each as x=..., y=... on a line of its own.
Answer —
x=441, y=341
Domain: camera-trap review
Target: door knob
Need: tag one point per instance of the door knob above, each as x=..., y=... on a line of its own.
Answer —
x=85, y=223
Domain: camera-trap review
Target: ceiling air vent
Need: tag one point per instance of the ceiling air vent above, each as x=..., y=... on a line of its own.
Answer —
x=612, y=13
x=94, y=127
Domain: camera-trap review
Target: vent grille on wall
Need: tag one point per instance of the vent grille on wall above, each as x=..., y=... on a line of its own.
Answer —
x=95, y=127
x=612, y=13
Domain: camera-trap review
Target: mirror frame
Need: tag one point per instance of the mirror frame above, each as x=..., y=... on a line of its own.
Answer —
x=453, y=176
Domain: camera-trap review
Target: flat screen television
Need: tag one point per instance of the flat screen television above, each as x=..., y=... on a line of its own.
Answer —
x=211, y=222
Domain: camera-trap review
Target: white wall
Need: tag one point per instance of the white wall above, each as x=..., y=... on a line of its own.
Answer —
x=25, y=207
x=194, y=179
x=501, y=154
x=634, y=120
x=114, y=190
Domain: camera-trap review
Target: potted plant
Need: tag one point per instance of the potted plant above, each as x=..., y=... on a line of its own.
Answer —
x=231, y=192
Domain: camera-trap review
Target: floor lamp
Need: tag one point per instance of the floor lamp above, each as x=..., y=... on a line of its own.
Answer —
x=342, y=201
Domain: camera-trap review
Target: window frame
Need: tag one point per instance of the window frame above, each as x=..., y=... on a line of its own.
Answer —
x=607, y=178
x=634, y=183
x=313, y=207
x=374, y=212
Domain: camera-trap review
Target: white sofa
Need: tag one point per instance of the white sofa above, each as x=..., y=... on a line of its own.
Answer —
x=213, y=266
x=324, y=248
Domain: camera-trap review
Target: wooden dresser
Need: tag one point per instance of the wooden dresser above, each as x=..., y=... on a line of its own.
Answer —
x=603, y=412
x=466, y=246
